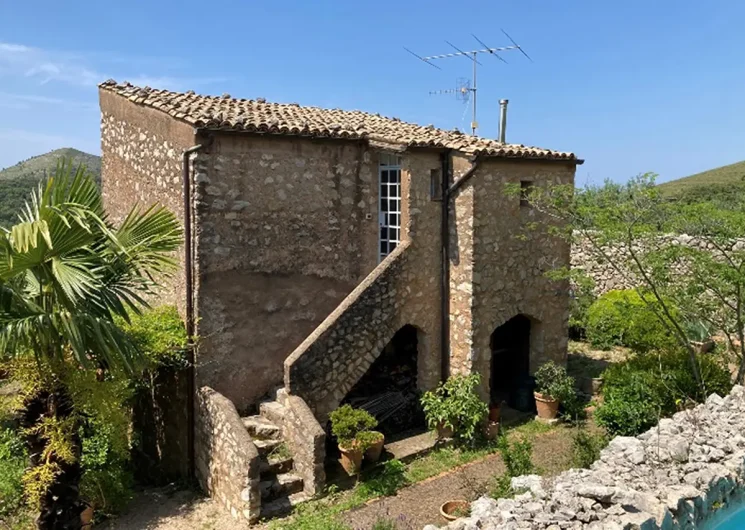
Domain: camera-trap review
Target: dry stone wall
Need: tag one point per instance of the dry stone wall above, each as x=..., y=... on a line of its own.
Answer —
x=605, y=275
x=227, y=461
x=677, y=475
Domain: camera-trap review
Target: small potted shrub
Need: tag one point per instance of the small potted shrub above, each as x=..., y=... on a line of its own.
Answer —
x=553, y=385
x=454, y=408
x=373, y=442
x=347, y=423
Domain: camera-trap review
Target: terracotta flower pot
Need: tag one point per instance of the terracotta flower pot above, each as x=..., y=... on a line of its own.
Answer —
x=702, y=347
x=495, y=412
x=449, y=509
x=372, y=454
x=548, y=408
x=444, y=431
x=492, y=430
x=351, y=459
x=86, y=518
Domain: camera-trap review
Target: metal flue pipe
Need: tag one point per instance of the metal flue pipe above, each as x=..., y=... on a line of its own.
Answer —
x=503, y=120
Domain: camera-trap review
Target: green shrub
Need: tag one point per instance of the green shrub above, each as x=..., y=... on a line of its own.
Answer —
x=645, y=388
x=13, y=462
x=160, y=336
x=517, y=456
x=347, y=423
x=456, y=404
x=586, y=447
x=622, y=318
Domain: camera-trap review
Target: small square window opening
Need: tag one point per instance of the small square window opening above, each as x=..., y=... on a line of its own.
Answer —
x=435, y=184
x=526, y=186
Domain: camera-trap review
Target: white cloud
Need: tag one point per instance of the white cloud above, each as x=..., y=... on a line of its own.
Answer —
x=26, y=101
x=47, y=66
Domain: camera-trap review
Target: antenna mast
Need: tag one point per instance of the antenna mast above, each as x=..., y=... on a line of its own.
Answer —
x=463, y=91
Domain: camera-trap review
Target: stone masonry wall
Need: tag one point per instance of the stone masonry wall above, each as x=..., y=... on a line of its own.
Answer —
x=307, y=443
x=286, y=228
x=141, y=162
x=227, y=461
x=498, y=266
x=683, y=473
x=404, y=289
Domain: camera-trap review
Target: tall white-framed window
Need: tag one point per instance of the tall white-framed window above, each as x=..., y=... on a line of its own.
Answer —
x=389, y=212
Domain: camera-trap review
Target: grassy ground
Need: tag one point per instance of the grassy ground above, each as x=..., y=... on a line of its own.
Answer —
x=451, y=471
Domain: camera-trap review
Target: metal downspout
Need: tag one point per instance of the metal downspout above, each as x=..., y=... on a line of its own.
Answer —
x=445, y=273
x=189, y=280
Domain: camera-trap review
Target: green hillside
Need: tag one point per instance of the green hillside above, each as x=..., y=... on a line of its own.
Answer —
x=715, y=179
x=16, y=181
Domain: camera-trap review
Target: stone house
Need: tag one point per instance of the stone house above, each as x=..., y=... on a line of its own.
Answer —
x=330, y=252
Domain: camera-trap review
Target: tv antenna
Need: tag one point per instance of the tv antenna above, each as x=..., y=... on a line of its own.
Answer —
x=464, y=90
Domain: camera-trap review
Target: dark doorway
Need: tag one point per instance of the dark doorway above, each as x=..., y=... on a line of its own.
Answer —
x=388, y=390
x=510, y=364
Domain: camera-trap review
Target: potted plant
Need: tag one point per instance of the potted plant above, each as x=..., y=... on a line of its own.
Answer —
x=347, y=423
x=553, y=385
x=454, y=408
x=372, y=442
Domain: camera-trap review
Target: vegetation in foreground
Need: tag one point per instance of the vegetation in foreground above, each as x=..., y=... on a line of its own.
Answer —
x=66, y=276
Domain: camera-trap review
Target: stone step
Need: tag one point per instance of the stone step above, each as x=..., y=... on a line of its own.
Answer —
x=283, y=485
x=276, y=465
x=272, y=411
x=266, y=446
x=282, y=505
x=261, y=428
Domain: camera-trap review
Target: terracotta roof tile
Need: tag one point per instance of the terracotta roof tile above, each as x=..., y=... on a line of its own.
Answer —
x=227, y=113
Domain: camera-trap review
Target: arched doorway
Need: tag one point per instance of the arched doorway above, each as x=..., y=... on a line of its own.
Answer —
x=510, y=364
x=389, y=389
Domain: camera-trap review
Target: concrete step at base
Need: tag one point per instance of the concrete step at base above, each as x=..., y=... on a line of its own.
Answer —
x=261, y=428
x=272, y=411
x=283, y=485
x=275, y=465
x=282, y=505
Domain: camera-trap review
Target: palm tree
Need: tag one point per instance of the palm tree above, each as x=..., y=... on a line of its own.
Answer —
x=66, y=272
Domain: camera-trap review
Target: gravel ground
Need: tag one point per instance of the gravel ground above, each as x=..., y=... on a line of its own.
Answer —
x=168, y=509
x=419, y=505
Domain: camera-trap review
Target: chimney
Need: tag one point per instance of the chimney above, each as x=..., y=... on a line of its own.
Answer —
x=502, y=119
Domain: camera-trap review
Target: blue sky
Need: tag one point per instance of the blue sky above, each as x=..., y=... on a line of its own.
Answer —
x=630, y=86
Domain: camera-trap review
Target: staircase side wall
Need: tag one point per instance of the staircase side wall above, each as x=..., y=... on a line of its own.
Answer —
x=307, y=442
x=227, y=461
x=338, y=353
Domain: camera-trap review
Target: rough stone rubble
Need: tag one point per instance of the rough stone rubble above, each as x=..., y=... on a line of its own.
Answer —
x=674, y=476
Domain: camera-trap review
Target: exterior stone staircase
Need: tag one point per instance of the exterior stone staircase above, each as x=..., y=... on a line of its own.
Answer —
x=281, y=488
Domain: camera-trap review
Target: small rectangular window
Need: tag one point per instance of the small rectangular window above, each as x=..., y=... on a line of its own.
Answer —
x=526, y=187
x=435, y=184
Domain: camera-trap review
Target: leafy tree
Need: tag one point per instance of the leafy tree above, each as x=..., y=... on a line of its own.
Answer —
x=633, y=228
x=66, y=274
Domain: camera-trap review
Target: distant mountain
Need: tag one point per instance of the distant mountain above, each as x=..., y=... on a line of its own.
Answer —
x=719, y=183
x=17, y=181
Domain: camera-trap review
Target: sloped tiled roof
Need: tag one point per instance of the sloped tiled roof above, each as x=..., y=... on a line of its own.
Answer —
x=260, y=116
